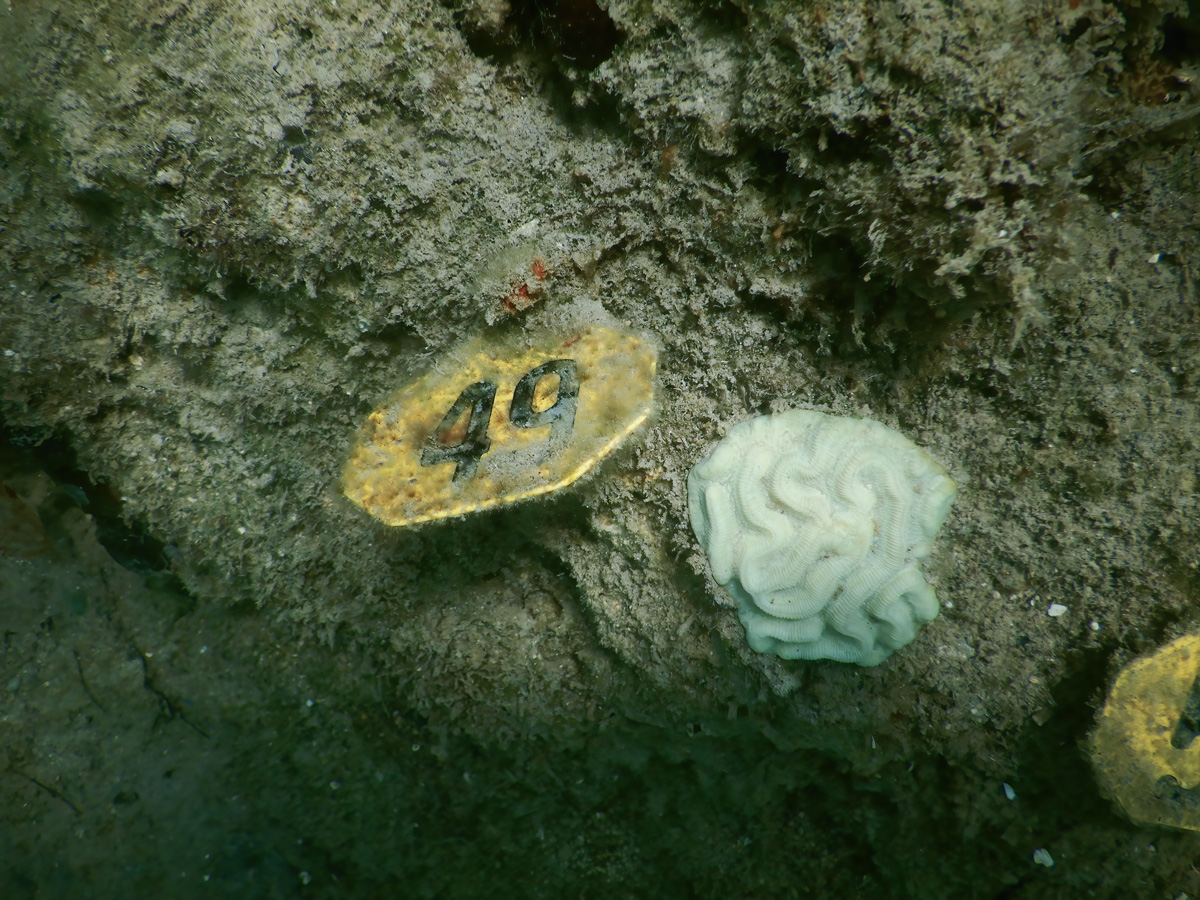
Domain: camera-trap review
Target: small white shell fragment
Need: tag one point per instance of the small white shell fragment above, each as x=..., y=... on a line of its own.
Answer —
x=1042, y=857
x=1008, y=790
x=1056, y=610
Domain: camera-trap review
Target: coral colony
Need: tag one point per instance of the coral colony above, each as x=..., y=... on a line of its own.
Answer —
x=817, y=525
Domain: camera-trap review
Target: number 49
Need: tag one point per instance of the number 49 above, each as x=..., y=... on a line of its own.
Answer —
x=464, y=444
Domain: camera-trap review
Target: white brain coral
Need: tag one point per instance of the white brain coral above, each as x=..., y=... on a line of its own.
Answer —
x=817, y=525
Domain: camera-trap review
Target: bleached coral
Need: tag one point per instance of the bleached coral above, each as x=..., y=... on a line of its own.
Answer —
x=817, y=525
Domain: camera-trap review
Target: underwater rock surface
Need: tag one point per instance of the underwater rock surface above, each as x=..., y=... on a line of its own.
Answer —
x=227, y=230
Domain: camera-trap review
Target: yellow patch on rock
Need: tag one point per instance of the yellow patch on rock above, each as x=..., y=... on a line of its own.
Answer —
x=1146, y=750
x=495, y=425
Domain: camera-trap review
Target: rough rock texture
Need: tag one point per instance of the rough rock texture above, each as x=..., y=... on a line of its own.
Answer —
x=228, y=230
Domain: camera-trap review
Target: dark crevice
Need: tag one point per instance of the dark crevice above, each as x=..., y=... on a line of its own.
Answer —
x=129, y=543
x=295, y=139
x=556, y=43
x=1078, y=30
x=577, y=33
x=1181, y=38
x=1050, y=759
x=100, y=209
x=580, y=31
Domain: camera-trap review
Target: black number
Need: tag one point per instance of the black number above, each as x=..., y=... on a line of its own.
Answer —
x=1188, y=726
x=561, y=416
x=465, y=450
x=464, y=442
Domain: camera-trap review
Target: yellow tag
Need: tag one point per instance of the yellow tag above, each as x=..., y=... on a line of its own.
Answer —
x=1146, y=750
x=494, y=426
